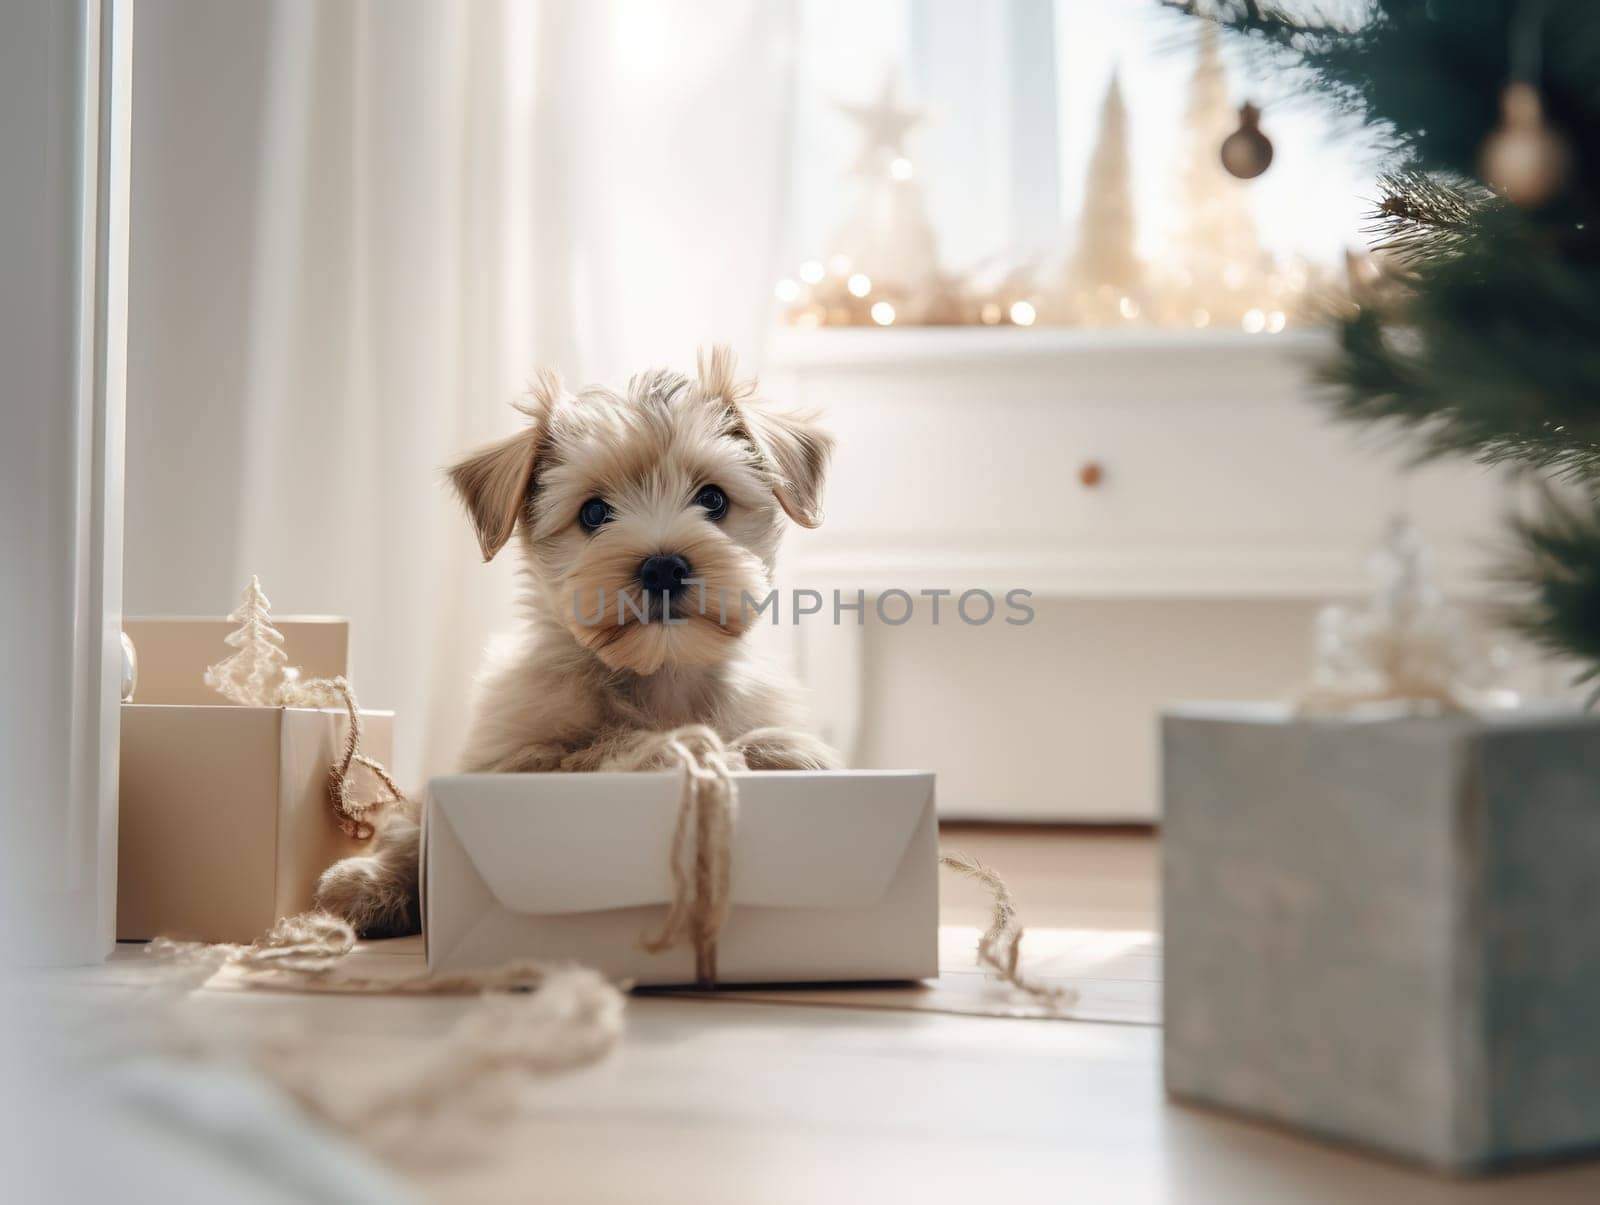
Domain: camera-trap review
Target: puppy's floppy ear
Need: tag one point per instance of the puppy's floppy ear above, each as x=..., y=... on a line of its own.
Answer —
x=795, y=448
x=493, y=481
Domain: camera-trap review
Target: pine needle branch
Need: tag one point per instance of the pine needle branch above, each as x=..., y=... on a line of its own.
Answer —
x=1489, y=347
x=1269, y=21
x=1557, y=568
x=1422, y=215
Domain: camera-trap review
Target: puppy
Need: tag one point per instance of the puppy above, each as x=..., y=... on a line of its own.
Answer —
x=649, y=522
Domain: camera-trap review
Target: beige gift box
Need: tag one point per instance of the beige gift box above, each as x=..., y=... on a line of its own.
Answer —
x=225, y=820
x=834, y=875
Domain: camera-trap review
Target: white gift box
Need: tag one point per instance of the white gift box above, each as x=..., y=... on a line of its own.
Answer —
x=834, y=875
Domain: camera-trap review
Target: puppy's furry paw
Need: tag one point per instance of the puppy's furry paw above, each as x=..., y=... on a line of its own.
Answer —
x=377, y=892
x=785, y=749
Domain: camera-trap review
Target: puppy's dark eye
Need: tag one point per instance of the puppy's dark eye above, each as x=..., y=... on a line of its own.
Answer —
x=594, y=513
x=714, y=500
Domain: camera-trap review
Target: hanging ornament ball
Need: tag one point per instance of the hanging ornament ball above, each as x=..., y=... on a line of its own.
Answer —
x=130, y=669
x=1247, y=152
x=1524, y=158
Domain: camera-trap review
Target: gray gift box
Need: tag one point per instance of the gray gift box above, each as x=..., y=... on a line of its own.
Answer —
x=1387, y=932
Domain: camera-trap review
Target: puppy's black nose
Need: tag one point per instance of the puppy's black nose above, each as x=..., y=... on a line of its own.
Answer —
x=659, y=572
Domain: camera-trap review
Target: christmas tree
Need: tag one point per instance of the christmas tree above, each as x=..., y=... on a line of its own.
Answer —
x=887, y=238
x=1217, y=272
x=1105, y=281
x=250, y=676
x=1492, y=211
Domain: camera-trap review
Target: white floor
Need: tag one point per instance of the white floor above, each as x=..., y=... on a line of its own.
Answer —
x=723, y=1101
x=745, y=1103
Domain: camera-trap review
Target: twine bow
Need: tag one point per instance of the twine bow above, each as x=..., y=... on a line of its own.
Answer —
x=702, y=845
x=702, y=859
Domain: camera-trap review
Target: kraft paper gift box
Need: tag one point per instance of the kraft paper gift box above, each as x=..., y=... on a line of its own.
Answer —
x=1386, y=932
x=834, y=875
x=225, y=821
x=174, y=652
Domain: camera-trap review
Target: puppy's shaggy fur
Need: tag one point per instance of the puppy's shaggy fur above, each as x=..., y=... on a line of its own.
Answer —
x=602, y=662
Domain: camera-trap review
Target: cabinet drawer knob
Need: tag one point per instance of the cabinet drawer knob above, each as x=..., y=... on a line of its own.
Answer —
x=1091, y=473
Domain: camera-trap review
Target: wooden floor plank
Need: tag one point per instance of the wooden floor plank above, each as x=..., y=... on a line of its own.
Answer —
x=750, y=1103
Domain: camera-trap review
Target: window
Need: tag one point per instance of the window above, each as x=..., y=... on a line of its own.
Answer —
x=1060, y=153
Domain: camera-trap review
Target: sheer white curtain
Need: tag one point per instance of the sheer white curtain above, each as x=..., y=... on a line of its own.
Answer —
x=357, y=227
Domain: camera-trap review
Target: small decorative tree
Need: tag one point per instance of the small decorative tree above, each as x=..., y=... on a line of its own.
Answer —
x=250, y=677
x=1106, y=278
x=887, y=235
x=1218, y=270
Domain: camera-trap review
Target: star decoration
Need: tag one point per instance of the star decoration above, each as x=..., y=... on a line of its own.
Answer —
x=884, y=125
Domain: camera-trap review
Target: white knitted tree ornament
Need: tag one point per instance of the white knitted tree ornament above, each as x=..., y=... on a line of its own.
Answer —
x=250, y=677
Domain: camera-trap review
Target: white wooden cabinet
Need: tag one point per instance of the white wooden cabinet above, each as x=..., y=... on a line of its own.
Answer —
x=1219, y=508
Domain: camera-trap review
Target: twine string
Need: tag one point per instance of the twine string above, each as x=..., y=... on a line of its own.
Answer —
x=701, y=855
x=301, y=952
x=355, y=816
x=526, y=1018
x=1001, y=943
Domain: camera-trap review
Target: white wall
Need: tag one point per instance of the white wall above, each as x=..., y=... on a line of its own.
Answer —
x=63, y=255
